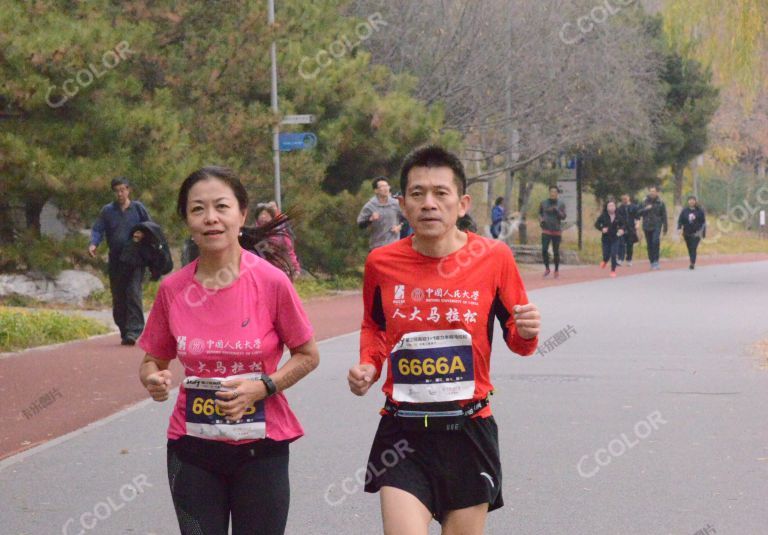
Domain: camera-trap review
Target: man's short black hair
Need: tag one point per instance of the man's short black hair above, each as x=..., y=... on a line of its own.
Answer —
x=433, y=156
x=120, y=181
x=375, y=181
x=553, y=186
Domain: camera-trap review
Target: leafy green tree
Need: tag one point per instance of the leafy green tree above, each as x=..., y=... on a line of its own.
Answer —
x=612, y=170
x=691, y=103
x=194, y=88
x=73, y=109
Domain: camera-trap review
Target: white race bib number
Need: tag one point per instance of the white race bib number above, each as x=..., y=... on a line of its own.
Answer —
x=205, y=419
x=433, y=366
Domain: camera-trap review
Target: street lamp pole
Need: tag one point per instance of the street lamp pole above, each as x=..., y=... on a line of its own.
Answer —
x=579, y=180
x=275, y=110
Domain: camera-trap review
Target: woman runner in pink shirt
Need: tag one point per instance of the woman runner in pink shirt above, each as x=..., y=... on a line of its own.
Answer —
x=227, y=317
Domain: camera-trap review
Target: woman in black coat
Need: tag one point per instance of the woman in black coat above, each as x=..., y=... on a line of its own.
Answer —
x=613, y=228
x=693, y=224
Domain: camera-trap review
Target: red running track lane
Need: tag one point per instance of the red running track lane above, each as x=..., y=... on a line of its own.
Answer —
x=98, y=377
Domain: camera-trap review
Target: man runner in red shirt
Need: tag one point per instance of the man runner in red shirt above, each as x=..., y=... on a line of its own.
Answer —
x=430, y=302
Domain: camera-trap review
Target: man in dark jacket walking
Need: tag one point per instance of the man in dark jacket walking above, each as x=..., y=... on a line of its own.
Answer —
x=627, y=211
x=654, y=214
x=693, y=224
x=551, y=215
x=613, y=229
x=115, y=223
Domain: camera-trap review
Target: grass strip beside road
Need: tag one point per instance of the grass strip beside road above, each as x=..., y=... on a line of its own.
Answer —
x=22, y=329
x=309, y=287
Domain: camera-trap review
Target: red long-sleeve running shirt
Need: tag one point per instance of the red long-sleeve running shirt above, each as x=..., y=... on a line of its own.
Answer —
x=432, y=319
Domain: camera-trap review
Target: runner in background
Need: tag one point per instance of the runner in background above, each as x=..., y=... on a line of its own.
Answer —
x=551, y=216
x=382, y=214
x=627, y=211
x=611, y=225
x=654, y=214
x=692, y=222
x=282, y=238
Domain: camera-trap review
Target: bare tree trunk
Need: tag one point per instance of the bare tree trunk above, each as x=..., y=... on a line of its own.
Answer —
x=678, y=170
x=6, y=223
x=489, y=192
x=509, y=185
x=523, y=200
x=32, y=209
x=489, y=199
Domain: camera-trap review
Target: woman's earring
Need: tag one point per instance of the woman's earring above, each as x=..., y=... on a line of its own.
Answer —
x=240, y=234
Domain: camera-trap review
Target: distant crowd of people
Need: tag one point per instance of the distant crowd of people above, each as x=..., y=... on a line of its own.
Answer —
x=621, y=224
x=620, y=227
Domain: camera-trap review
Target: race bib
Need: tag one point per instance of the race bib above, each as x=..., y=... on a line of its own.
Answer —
x=206, y=420
x=433, y=366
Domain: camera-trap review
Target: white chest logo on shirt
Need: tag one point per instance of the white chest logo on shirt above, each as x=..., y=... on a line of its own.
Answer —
x=196, y=346
x=399, y=292
x=417, y=294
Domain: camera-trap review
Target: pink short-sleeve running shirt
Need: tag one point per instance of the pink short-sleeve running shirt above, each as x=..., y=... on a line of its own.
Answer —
x=239, y=329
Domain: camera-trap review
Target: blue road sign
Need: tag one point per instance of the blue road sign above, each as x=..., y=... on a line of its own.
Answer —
x=297, y=141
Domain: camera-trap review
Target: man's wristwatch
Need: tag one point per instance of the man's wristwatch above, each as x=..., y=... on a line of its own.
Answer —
x=270, y=384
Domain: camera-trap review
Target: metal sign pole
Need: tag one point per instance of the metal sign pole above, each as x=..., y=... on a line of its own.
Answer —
x=275, y=110
x=579, y=178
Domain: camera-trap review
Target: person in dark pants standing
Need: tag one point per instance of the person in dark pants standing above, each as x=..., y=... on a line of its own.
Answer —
x=497, y=217
x=627, y=211
x=115, y=223
x=551, y=215
x=613, y=228
x=692, y=222
x=654, y=214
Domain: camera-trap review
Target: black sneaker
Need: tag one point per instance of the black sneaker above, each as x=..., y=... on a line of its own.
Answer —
x=128, y=342
x=690, y=267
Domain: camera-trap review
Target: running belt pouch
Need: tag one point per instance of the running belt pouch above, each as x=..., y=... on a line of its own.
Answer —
x=429, y=423
x=430, y=417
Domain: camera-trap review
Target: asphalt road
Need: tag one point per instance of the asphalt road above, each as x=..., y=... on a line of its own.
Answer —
x=649, y=419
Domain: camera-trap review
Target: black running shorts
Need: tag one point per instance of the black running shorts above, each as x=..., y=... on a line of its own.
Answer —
x=445, y=470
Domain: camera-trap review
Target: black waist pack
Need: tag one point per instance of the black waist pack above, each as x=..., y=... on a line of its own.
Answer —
x=433, y=417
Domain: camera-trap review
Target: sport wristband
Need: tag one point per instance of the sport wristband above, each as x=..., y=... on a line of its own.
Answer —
x=270, y=384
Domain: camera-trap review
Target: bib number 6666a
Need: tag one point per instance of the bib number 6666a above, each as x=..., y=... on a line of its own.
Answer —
x=208, y=407
x=430, y=366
